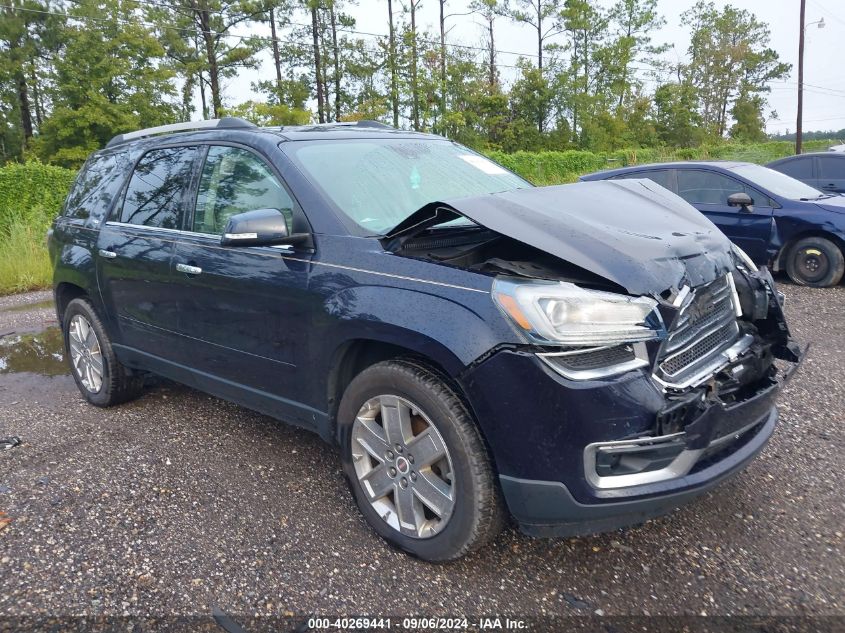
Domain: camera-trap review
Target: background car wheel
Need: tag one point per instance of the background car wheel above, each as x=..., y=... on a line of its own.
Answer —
x=97, y=372
x=416, y=463
x=815, y=261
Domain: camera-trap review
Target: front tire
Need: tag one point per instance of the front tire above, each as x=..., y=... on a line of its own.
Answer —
x=815, y=261
x=101, y=379
x=416, y=463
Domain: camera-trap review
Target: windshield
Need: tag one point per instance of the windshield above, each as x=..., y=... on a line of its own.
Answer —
x=377, y=183
x=778, y=183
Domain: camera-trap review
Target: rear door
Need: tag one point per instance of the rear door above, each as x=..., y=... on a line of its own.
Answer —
x=708, y=192
x=244, y=314
x=135, y=249
x=831, y=174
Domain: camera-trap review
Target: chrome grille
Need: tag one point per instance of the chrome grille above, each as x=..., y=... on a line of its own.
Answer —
x=706, y=325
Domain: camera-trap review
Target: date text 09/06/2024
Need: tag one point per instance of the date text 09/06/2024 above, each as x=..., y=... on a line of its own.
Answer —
x=491, y=623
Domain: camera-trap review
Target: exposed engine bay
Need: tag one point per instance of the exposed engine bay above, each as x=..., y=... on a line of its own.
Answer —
x=721, y=319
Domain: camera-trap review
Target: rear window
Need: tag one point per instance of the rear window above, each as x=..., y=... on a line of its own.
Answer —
x=156, y=193
x=660, y=176
x=99, y=181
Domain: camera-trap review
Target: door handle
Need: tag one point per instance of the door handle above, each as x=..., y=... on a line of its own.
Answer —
x=107, y=253
x=188, y=270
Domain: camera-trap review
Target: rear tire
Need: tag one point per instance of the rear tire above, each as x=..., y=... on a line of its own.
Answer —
x=101, y=379
x=436, y=499
x=815, y=261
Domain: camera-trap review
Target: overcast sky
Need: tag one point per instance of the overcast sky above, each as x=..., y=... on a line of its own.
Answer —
x=824, y=52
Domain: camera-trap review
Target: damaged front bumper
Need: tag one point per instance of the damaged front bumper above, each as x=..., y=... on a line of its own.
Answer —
x=616, y=451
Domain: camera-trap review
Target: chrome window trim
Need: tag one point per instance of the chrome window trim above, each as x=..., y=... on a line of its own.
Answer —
x=286, y=247
x=159, y=229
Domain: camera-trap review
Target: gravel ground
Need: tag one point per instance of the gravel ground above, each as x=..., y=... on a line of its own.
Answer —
x=179, y=501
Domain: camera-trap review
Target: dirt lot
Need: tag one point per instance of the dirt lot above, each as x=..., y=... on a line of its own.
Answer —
x=178, y=502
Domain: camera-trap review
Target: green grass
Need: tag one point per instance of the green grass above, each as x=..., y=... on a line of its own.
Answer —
x=24, y=264
x=31, y=195
x=554, y=168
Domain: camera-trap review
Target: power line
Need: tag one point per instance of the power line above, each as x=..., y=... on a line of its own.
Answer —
x=829, y=13
x=795, y=83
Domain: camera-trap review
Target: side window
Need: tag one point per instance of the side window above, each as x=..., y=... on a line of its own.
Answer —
x=155, y=195
x=98, y=183
x=660, y=176
x=709, y=187
x=831, y=168
x=235, y=181
x=799, y=168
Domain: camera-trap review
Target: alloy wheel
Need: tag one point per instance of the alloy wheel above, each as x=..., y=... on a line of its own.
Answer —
x=403, y=466
x=85, y=353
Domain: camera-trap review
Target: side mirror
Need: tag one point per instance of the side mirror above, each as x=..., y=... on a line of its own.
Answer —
x=262, y=227
x=741, y=200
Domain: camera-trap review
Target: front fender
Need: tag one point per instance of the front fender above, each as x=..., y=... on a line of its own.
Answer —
x=452, y=331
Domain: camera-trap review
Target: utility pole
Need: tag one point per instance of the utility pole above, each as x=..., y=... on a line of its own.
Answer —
x=798, y=123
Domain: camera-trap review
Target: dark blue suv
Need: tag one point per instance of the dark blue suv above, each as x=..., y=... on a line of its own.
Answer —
x=578, y=357
x=777, y=220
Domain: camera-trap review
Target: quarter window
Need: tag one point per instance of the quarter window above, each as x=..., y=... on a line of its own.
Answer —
x=236, y=181
x=156, y=193
x=98, y=183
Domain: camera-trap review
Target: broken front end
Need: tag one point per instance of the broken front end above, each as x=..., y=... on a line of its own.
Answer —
x=651, y=349
x=619, y=433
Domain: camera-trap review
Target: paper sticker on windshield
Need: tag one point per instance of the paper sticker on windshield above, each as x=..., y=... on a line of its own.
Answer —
x=479, y=162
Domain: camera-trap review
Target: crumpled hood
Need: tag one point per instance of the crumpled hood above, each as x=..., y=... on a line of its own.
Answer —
x=633, y=232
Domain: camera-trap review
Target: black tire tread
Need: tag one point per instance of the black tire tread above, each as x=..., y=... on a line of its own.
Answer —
x=837, y=267
x=119, y=384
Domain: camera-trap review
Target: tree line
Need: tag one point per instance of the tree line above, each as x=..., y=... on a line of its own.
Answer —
x=75, y=72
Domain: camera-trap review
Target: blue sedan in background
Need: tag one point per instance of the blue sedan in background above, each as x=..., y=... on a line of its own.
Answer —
x=775, y=219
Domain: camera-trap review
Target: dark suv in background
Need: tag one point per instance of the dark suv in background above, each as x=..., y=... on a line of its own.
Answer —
x=822, y=170
x=579, y=357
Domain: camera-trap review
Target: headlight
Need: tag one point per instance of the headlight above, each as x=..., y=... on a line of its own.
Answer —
x=565, y=314
x=744, y=258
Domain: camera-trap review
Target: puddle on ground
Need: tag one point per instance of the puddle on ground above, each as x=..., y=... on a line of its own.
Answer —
x=41, y=305
x=41, y=353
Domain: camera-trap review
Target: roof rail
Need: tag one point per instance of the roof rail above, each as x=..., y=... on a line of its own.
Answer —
x=367, y=123
x=212, y=124
x=341, y=124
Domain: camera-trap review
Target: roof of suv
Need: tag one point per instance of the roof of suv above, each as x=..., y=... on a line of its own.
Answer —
x=342, y=130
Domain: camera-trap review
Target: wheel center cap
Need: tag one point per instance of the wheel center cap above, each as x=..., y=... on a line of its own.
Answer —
x=402, y=465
